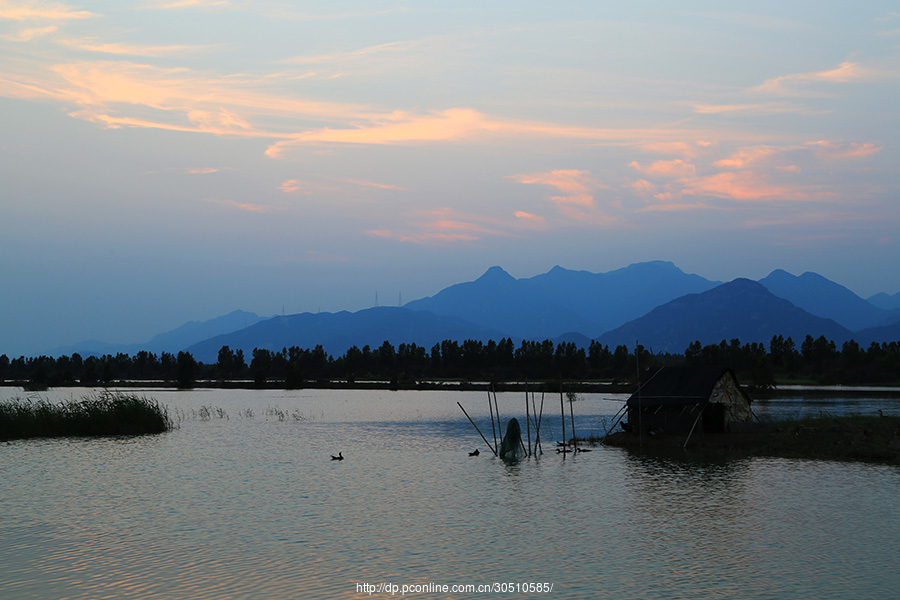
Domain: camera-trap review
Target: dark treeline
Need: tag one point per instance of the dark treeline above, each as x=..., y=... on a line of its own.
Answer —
x=817, y=361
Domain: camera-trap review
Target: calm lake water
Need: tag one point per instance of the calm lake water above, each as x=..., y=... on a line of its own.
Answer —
x=242, y=500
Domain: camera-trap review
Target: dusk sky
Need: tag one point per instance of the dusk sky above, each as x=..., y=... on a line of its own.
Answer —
x=174, y=160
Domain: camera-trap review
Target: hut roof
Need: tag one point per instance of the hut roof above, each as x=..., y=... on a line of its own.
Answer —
x=677, y=386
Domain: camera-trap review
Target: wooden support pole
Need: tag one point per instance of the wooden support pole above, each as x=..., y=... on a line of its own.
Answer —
x=497, y=410
x=562, y=411
x=537, y=424
x=692, y=430
x=476, y=429
x=491, y=408
x=572, y=416
x=620, y=414
x=528, y=421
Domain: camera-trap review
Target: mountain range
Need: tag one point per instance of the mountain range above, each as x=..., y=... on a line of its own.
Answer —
x=655, y=303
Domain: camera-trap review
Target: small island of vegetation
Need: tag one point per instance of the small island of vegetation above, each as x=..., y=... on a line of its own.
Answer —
x=861, y=438
x=102, y=414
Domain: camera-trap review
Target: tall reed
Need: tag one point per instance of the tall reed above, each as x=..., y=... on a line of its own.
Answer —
x=103, y=413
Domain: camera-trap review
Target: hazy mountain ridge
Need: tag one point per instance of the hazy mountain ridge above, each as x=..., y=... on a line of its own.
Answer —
x=619, y=306
x=172, y=341
x=337, y=332
x=741, y=309
x=561, y=300
x=886, y=301
x=825, y=298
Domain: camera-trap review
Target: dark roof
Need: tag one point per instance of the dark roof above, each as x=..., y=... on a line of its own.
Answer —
x=679, y=386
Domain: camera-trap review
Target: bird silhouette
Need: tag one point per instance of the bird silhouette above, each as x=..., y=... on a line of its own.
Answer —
x=340, y=456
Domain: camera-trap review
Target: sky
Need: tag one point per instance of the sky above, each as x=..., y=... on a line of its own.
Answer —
x=163, y=161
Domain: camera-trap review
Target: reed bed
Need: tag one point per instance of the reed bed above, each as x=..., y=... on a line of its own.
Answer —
x=862, y=438
x=99, y=414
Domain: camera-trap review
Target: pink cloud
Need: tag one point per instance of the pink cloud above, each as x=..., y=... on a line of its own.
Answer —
x=832, y=150
x=445, y=225
x=792, y=84
x=529, y=217
x=40, y=11
x=243, y=206
x=642, y=186
x=128, y=49
x=577, y=202
x=345, y=187
x=747, y=186
x=746, y=156
x=570, y=181
x=425, y=238
x=374, y=184
x=674, y=206
x=26, y=35
x=666, y=168
x=765, y=108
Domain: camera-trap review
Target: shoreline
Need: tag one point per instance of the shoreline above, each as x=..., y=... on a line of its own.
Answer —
x=850, y=438
x=607, y=387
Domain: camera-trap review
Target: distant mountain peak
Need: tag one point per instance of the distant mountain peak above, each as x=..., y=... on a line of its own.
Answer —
x=496, y=274
x=653, y=264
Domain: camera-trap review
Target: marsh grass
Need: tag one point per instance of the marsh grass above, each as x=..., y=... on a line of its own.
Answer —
x=854, y=437
x=103, y=413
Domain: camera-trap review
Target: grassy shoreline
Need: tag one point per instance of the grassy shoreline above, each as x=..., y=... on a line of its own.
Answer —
x=101, y=414
x=852, y=438
x=549, y=386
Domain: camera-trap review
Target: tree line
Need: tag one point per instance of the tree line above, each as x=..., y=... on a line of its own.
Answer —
x=817, y=361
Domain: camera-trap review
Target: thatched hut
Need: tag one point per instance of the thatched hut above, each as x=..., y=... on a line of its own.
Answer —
x=678, y=400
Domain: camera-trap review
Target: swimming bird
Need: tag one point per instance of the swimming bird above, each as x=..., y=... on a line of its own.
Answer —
x=476, y=453
x=340, y=456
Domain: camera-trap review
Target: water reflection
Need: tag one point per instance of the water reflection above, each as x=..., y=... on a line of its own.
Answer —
x=253, y=507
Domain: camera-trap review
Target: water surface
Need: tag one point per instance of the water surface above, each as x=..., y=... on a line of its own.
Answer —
x=242, y=500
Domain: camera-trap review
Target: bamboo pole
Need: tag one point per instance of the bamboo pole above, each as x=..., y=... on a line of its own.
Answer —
x=476, y=429
x=637, y=367
x=527, y=421
x=572, y=416
x=491, y=409
x=537, y=424
x=692, y=430
x=562, y=411
x=497, y=410
x=620, y=414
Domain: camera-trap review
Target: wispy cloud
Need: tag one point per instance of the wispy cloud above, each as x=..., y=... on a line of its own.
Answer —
x=666, y=168
x=442, y=226
x=125, y=94
x=746, y=156
x=577, y=201
x=243, y=206
x=27, y=35
x=764, y=108
x=334, y=187
x=354, y=55
x=90, y=45
x=40, y=11
x=749, y=186
x=798, y=83
x=178, y=4
x=530, y=219
x=835, y=151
